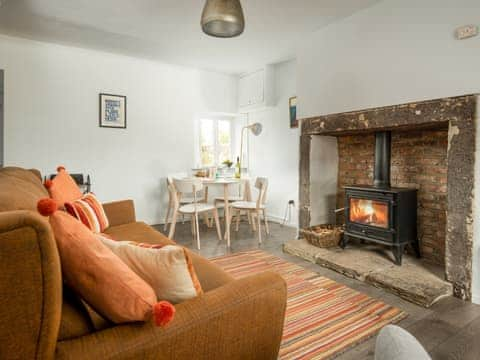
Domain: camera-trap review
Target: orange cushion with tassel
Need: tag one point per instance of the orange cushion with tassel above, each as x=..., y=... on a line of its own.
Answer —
x=62, y=188
x=99, y=276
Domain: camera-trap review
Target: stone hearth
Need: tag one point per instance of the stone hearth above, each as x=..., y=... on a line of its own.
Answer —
x=414, y=281
x=441, y=167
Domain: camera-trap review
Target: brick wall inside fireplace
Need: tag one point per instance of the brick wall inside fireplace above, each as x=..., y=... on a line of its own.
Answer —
x=419, y=160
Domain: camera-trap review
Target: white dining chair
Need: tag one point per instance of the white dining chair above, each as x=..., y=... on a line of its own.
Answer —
x=241, y=192
x=193, y=185
x=184, y=199
x=256, y=209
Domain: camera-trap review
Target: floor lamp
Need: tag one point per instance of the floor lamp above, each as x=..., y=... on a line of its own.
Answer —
x=256, y=130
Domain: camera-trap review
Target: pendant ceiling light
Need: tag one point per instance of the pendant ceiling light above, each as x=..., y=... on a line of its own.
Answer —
x=223, y=18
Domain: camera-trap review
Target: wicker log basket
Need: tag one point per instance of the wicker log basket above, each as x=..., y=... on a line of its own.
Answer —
x=323, y=236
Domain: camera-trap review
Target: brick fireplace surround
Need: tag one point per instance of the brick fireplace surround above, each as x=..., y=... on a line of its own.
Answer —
x=419, y=160
x=433, y=150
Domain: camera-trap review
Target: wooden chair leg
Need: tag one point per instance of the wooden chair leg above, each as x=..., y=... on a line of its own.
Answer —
x=172, y=225
x=206, y=220
x=254, y=225
x=217, y=224
x=229, y=222
x=251, y=221
x=198, y=231
x=266, y=222
x=168, y=215
x=237, y=215
x=192, y=225
x=259, y=223
x=205, y=195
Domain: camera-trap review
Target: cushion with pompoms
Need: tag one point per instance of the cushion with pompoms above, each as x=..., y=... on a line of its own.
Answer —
x=62, y=188
x=99, y=276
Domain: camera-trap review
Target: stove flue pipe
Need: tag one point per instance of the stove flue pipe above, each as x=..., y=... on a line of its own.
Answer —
x=383, y=141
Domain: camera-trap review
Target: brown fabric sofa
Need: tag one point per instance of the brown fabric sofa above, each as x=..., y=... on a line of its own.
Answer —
x=43, y=319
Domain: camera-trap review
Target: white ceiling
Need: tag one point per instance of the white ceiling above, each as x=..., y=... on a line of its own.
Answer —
x=169, y=30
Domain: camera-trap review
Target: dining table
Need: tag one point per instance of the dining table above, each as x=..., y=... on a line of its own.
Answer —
x=226, y=184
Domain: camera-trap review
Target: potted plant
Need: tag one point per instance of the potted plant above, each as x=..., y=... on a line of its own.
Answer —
x=228, y=163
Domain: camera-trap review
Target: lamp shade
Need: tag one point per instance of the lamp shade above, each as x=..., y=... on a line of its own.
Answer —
x=256, y=129
x=223, y=18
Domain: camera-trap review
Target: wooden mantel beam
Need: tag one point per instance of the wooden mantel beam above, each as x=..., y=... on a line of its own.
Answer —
x=431, y=113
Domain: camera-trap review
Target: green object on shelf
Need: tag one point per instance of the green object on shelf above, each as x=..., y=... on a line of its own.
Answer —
x=228, y=163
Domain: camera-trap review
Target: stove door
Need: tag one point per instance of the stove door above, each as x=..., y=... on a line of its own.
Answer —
x=370, y=215
x=369, y=212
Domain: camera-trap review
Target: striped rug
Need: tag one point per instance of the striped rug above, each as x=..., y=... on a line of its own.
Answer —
x=324, y=318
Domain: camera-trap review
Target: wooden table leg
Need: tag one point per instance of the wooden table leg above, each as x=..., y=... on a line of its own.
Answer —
x=227, y=214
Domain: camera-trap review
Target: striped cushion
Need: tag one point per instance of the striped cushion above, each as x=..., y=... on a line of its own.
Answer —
x=89, y=211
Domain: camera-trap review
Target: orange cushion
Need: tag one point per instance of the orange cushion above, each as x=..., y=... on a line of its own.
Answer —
x=97, y=274
x=89, y=211
x=62, y=188
x=168, y=269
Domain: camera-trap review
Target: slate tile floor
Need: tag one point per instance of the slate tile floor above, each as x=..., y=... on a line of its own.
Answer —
x=448, y=330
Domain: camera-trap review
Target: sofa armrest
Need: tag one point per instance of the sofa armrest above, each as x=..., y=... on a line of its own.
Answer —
x=120, y=212
x=240, y=320
x=31, y=287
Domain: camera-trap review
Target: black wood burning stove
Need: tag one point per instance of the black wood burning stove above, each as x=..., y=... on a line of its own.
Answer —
x=380, y=213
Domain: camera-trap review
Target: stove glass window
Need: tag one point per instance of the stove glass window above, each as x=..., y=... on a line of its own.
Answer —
x=369, y=212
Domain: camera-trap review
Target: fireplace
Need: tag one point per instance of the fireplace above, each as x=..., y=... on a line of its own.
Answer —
x=433, y=150
x=381, y=213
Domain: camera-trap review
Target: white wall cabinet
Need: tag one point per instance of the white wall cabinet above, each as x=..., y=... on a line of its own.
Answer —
x=256, y=90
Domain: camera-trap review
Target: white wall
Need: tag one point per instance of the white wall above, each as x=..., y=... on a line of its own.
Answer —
x=51, y=117
x=394, y=52
x=323, y=179
x=275, y=153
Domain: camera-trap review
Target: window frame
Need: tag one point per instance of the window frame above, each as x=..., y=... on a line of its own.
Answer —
x=216, y=145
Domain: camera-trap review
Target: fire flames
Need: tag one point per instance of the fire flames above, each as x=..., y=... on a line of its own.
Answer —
x=369, y=212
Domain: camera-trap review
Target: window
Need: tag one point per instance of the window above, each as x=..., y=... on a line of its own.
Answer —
x=215, y=141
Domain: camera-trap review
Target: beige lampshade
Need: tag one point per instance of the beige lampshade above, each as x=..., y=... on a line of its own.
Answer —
x=256, y=129
x=223, y=18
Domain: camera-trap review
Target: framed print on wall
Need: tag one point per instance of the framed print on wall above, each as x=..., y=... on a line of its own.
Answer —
x=113, y=111
x=292, y=105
